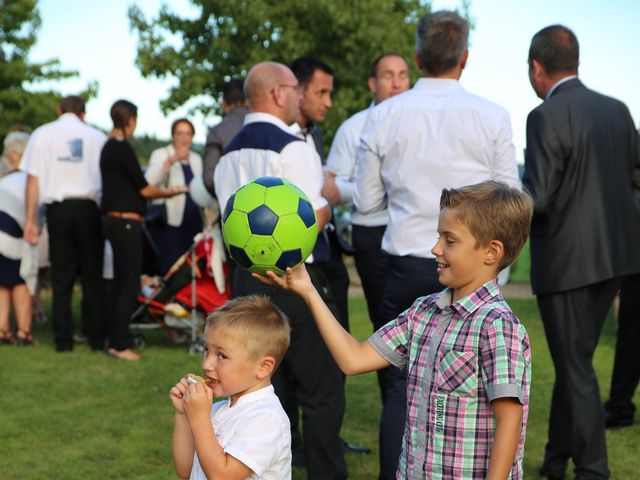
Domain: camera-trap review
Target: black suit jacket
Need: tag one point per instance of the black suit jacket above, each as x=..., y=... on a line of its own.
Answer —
x=582, y=167
x=217, y=139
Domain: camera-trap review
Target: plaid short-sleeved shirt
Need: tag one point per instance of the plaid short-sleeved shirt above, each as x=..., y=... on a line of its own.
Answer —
x=458, y=358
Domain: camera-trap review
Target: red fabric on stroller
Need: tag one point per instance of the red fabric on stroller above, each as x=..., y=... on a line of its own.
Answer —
x=177, y=284
x=208, y=297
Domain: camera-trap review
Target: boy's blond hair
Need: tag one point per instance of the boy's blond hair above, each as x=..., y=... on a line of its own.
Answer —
x=256, y=323
x=493, y=211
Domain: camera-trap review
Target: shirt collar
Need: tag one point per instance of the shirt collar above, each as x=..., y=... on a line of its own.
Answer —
x=69, y=116
x=487, y=293
x=438, y=84
x=256, y=117
x=252, y=397
x=558, y=83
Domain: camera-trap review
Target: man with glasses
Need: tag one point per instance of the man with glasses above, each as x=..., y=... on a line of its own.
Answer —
x=265, y=147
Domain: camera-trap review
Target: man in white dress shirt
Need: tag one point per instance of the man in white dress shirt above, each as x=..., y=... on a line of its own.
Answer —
x=265, y=146
x=413, y=145
x=389, y=77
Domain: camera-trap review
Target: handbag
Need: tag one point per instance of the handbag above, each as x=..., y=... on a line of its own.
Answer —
x=156, y=216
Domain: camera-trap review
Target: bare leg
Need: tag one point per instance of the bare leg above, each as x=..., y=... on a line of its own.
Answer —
x=21, y=299
x=5, y=299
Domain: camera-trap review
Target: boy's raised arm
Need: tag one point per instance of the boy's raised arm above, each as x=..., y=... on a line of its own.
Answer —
x=351, y=355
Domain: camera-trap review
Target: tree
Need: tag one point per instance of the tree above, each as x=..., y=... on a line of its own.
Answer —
x=19, y=23
x=227, y=38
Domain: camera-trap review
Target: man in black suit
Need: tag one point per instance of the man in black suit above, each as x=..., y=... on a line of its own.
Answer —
x=582, y=168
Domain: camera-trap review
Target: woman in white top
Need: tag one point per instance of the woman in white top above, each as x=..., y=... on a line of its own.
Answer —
x=169, y=166
x=18, y=266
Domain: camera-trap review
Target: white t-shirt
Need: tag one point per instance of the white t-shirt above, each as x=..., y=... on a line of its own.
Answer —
x=256, y=431
x=65, y=156
x=413, y=145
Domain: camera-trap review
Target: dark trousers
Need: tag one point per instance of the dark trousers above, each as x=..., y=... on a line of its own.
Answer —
x=626, y=366
x=372, y=264
x=573, y=322
x=125, y=237
x=408, y=278
x=337, y=278
x=76, y=245
x=317, y=380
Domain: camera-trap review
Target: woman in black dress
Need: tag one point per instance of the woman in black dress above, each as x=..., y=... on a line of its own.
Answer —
x=124, y=202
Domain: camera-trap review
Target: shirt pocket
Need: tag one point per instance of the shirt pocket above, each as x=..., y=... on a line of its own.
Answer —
x=457, y=373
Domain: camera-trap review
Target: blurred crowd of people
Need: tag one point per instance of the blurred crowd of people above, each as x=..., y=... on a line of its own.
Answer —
x=387, y=165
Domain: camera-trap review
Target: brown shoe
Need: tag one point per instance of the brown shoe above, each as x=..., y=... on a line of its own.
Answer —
x=126, y=354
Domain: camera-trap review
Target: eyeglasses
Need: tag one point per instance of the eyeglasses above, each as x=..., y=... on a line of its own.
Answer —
x=296, y=87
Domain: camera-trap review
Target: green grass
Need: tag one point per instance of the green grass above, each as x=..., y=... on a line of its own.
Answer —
x=84, y=415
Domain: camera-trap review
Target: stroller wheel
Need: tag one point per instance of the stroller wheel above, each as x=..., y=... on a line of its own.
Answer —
x=139, y=341
x=196, y=348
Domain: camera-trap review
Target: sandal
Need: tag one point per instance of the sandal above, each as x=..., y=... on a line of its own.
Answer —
x=24, y=340
x=6, y=337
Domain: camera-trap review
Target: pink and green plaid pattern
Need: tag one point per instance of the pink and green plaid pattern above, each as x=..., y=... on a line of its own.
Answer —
x=458, y=358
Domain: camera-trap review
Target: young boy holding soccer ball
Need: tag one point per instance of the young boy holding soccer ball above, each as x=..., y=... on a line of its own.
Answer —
x=465, y=353
x=247, y=435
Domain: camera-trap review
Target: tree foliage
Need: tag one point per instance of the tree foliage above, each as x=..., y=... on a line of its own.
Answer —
x=226, y=38
x=19, y=22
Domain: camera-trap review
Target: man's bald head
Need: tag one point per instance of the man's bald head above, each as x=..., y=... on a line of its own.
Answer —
x=271, y=87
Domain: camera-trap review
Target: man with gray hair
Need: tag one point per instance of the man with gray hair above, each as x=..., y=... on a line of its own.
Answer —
x=412, y=146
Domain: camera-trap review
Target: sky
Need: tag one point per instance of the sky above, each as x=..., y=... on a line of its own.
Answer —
x=99, y=45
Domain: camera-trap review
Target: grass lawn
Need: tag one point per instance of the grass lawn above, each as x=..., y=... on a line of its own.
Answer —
x=83, y=415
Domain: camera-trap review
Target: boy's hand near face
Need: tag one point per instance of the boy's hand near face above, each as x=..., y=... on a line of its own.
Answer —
x=196, y=402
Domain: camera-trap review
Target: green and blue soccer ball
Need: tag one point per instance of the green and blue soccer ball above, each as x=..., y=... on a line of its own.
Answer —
x=269, y=224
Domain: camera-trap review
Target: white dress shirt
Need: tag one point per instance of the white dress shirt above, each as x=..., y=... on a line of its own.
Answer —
x=413, y=145
x=342, y=160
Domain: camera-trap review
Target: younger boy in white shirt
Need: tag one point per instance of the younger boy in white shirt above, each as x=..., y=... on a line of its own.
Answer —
x=247, y=435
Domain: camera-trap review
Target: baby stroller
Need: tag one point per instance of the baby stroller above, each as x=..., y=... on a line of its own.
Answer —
x=194, y=286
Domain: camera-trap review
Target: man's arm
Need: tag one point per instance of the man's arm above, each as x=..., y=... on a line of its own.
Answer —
x=32, y=194
x=508, y=415
x=212, y=154
x=342, y=160
x=544, y=165
x=352, y=356
x=505, y=167
x=369, y=194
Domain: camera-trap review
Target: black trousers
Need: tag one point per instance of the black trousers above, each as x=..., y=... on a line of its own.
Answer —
x=337, y=277
x=125, y=237
x=573, y=322
x=407, y=279
x=318, y=382
x=76, y=246
x=626, y=366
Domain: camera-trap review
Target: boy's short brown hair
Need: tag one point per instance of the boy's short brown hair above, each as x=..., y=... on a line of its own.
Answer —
x=257, y=323
x=493, y=211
